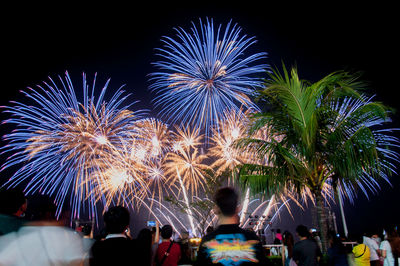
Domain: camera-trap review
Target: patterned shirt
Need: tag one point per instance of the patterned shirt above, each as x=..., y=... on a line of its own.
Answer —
x=231, y=245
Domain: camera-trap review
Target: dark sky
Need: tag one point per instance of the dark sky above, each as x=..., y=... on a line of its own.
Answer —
x=118, y=42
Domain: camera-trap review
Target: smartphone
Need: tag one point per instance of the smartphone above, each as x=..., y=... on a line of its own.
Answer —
x=151, y=223
x=313, y=230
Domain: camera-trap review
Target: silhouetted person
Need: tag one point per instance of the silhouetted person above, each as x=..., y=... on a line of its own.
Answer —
x=337, y=255
x=288, y=243
x=390, y=248
x=305, y=251
x=229, y=244
x=168, y=252
x=117, y=248
x=185, y=249
x=368, y=239
x=155, y=237
x=278, y=237
x=44, y=241
x=144, y=243
x=87, y=239
x=13, y=205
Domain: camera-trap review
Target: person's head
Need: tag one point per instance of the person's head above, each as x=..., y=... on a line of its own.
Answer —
x=278, y=231
x=42, y=208
x=185, y=235
x=145, y=236
x=302, y=231
x=116, y=220
x=13, y=202
x=391, y=233
x=287, y=238
x=394, y=240
x=359, y=238
x=87, y=229
x=335, y=241
x=226, y=200
x=372, y=233
x=166, y=231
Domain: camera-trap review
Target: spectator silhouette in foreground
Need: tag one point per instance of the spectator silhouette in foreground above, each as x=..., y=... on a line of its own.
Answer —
x=229, y=244
x=288, y=243
x=13, y=205
x=144, y=243
x=337, y=254
x=183, y=242
x=168, y=252
x=44, y=241
x=117, y=248
x=305, y=251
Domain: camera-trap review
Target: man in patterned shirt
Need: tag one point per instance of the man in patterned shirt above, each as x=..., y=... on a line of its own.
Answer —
x=229, y=244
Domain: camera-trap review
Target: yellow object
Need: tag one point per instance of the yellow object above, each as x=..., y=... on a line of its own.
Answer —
x=361, y=255
x=195, y=241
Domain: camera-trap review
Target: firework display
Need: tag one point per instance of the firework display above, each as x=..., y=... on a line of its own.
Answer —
x=89, y=150
x=203, y=72
x=61, y=141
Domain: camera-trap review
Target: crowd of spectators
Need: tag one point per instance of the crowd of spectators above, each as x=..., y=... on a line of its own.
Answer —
x=39, y=235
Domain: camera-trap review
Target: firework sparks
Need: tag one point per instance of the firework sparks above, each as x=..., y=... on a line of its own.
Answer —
x=230, y=129
x=191, y=166
x=61, y=141
x=204, y=73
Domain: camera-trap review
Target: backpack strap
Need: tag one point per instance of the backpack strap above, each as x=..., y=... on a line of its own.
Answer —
x=166, y=254
x=365, y=248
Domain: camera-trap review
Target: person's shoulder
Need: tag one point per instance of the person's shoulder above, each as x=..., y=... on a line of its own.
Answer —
x=310, y=242
x=298, y=245
x=209, y=236
x=384, y=244
x=301, y=242
x=176, y=246
x=249, y=235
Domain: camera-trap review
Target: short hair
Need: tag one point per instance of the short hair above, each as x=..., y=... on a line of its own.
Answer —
x=302, y=231
x=166, y=231
x=227, y=200
x=42, y=208
x=86, y=229
x=11, y=200
x=145, y=236
x=116, y=219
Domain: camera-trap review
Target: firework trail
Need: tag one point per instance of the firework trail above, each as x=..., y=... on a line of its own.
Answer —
x=203, y=72
x=60, y=141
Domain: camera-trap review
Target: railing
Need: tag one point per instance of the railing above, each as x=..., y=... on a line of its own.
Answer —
x=274, y=249
x=349, y=243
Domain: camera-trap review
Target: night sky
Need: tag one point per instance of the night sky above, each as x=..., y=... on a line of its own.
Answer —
x=118, y=42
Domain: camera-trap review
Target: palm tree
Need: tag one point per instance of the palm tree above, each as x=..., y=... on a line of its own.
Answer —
x=323, y=136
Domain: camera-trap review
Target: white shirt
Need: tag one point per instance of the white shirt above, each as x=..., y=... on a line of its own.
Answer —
x=373, y=247
x=41, y=245
x=389, y=260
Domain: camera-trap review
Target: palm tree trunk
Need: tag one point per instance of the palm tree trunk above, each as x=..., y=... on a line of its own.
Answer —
x=321, y=215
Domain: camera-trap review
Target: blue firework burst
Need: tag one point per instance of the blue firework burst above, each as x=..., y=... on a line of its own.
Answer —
x=62, y=138
x=204, y=72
